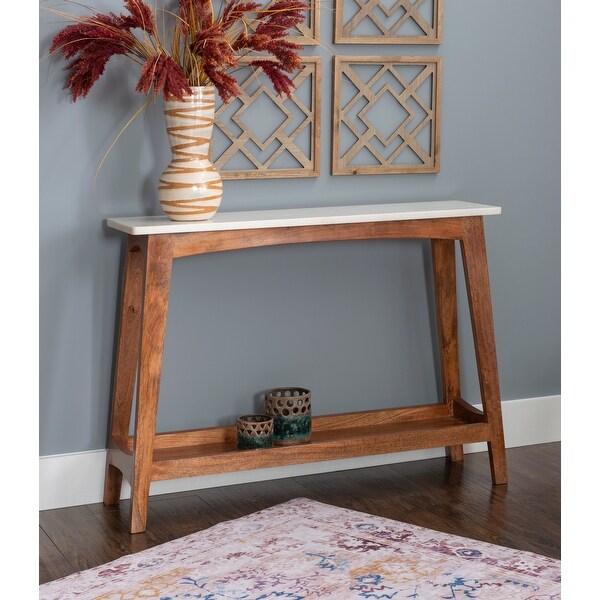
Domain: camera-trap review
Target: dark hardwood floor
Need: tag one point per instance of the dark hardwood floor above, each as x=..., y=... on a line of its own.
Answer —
x=456, y=498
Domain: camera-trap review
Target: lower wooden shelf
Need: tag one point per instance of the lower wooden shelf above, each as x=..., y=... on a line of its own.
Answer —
x=213, y=450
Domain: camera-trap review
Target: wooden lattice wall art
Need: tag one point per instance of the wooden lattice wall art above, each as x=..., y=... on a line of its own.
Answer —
x=262, y=135
x=307, y=33
x=386, y=115
x=388, y=21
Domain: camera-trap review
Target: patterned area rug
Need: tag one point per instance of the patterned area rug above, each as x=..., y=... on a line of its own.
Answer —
x=305, y=549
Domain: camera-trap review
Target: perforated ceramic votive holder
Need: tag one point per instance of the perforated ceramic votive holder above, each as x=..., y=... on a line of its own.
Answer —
x=291, y=412
x=254, y=431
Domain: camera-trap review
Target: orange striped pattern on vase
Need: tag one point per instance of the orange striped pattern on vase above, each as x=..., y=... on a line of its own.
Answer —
x=190, y=188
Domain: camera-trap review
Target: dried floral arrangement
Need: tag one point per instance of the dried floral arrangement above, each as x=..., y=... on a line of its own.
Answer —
x=203, y=48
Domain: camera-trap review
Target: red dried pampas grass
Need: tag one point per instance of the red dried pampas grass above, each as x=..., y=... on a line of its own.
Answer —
x=205, y=45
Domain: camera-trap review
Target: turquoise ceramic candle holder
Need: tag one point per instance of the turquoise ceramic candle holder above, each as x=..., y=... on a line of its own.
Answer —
x=254, y=431
x=291, y=412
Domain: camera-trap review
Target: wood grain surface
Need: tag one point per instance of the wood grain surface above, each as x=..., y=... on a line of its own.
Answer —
x=375, y=12
x=146, y=456
x=385, y=148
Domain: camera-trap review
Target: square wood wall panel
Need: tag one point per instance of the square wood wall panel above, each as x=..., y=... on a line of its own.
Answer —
x=386, y=116
x=261, y=135
x=388, y=21
x=307, y=33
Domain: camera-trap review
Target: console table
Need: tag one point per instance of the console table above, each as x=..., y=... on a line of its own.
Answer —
x=154, y=242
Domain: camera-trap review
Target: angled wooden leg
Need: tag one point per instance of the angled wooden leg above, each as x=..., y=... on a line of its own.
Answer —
x=444, y=273
x=157, y=278
x=113, y=481
x=128, y=344
x=480, y=304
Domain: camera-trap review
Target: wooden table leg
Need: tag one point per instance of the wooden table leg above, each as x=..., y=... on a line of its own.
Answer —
x=126, y=362
x=444, y=273
x=157, y=278
x=480, y=304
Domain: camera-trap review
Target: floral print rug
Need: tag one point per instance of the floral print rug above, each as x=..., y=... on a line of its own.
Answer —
x=305, y=549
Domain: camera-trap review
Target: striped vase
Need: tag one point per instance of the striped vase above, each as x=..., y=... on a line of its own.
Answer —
x=190, y=188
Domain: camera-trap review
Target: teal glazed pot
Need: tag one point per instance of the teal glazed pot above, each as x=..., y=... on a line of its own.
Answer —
x=254, y=431
x=291, y=411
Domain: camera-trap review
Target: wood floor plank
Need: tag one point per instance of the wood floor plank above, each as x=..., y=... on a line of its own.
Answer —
x=117, y=521
x=237, y=501
x=75, y=532
x=183, y=515
x=53, y=565
x=87, y=539
x=99, y=507
x=457, y=498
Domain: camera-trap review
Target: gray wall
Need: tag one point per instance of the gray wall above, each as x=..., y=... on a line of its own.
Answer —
x=352, y=321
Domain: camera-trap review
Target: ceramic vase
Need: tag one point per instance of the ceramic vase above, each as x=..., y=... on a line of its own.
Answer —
x=190, y=188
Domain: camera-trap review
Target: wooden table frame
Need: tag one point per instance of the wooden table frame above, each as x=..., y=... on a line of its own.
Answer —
x=149, y=456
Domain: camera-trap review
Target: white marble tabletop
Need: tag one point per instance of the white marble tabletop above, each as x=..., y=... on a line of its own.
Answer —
x=297, y=217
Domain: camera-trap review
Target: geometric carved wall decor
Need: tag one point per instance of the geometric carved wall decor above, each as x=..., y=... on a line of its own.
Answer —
x=307, y=33
x=388, y=22
x=263, y=135
x=386, y=116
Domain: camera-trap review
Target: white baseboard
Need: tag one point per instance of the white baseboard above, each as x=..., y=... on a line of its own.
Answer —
x=78, y=478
